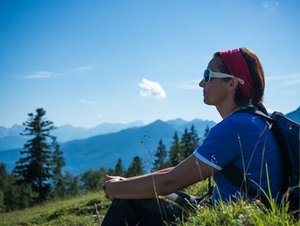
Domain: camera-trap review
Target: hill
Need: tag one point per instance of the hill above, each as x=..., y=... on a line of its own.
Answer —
x=104, y=150
x=10, y=138
x=89, y=210
x=294, y=115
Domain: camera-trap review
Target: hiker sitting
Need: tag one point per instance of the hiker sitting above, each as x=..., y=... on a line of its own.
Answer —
x=233, y=79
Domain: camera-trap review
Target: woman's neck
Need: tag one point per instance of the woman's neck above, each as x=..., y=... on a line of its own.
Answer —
x=226, y=109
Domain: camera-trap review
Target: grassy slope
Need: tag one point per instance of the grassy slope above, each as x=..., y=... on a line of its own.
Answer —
x=82, y=211
x=76, y=211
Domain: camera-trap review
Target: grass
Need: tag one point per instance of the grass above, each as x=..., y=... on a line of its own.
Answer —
x=82, y=211
x=75, y=211
x=240, y=213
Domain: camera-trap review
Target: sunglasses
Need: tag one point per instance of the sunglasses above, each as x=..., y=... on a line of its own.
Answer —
x=208, y=74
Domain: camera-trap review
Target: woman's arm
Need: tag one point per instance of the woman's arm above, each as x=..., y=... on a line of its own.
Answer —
x=118, y=178
x=162, y=182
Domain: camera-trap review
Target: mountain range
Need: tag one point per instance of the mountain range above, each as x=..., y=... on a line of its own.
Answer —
x=103, y=150
x=103, y=145
x=10, y=138
x=294, y=115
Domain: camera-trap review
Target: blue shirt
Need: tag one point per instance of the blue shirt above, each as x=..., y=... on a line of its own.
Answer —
x=245, y=140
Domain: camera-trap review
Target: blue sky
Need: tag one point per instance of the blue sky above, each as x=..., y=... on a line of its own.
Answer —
x=87, y=62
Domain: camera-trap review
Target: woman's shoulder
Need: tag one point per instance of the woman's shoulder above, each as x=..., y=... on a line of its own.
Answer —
x=240, y=120
x=230, y=123
x=236, y=119
x=244, y=117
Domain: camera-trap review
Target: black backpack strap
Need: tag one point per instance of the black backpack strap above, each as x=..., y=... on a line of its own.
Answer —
x=254, y=110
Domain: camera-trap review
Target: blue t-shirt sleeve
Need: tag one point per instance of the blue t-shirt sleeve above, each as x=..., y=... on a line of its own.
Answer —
x=221, y=146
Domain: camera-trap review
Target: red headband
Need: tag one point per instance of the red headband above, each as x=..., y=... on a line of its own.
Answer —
x=238, y=67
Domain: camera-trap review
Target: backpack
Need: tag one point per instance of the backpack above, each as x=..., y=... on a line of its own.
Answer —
x=287, y=134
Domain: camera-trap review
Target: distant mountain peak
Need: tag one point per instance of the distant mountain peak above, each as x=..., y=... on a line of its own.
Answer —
x=158, y=121
x=177, y=121
x=294, y=115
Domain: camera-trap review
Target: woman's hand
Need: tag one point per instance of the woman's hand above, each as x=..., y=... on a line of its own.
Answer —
x=114, y=178
x=108, y=183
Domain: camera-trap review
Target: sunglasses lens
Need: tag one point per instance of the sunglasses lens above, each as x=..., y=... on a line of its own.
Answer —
x=206, y=76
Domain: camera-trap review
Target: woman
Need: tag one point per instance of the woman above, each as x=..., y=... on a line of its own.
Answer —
x=233, y=79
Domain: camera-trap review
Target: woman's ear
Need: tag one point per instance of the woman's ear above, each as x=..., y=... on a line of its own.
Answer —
x=233, y=83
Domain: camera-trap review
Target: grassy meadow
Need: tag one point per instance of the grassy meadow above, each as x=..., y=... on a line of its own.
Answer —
x=80, y=210
x=89, y=210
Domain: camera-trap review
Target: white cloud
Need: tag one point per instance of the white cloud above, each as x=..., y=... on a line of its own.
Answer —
x=152, y=89
x=84, y=101
x=41, y=75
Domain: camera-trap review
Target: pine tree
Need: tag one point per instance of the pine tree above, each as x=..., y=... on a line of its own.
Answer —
x=161, y=154
x=110, y=171
x=102, y=175
x=195, y=139
x=175, y=154
x=136, y=167
x=11, y=193
x=189, y=141
x=206, y=132
x=3, y=185
x=58, y=162
x=186, y=143
x=90, y=180
x=72, y=184
x=3, y=176
x=119, y=171
x=35, y=166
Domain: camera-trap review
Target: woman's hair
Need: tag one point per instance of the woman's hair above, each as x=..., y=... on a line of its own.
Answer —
x=257, y=75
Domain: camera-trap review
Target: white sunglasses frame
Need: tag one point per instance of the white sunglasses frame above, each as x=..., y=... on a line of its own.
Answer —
x=214, y=74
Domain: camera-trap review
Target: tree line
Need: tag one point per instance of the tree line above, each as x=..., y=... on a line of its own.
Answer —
x=38, y=175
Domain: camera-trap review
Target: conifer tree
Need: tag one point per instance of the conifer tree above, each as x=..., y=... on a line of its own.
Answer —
x=119, y=171
x=175, y=154
x=91, y=180
x=72, y=184
x=161, y=154
x=136, y=167
x=186, y=143
x=58, y=162
x=12, y=195
x=110, y=171
x=206, y=131
x=35, y=166
x=195, y=139
x=189, y=141
x=102, y=177
x=3, y=176
x=3, y=185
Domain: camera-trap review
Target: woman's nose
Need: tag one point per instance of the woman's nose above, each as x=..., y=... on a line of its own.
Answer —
x=201, y=83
